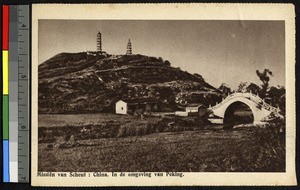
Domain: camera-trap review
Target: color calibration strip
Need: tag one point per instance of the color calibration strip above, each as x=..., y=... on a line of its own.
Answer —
x=5, y=96
x=15, y=107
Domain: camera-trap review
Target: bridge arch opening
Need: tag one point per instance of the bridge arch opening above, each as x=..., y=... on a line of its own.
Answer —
x=237, y=113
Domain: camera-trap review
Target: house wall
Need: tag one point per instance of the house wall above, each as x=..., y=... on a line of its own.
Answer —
x=121, y=107
x=181, y=113
x=125, y=108
x=191, y=109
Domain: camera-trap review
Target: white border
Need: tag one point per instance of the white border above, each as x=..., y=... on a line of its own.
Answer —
x=193, y=11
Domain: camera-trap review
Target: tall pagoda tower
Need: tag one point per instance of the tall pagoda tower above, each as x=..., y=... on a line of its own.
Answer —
x=129, y=48
x=99, y=42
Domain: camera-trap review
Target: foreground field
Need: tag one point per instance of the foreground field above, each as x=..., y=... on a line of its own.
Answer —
x=186, y=151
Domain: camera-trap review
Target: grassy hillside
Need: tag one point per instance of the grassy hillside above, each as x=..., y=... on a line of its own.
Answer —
x=89, y=82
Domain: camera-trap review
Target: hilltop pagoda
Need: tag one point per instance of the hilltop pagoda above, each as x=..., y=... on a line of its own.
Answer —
x=129, y=48
x=99, y=42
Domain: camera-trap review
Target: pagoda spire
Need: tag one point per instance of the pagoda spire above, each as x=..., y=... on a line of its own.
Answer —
x=129, y=48
x=99, y=42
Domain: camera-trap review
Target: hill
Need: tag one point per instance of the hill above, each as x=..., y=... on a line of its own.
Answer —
x=89, y=82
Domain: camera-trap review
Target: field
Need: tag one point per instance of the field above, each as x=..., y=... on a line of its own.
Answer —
x=98, y=143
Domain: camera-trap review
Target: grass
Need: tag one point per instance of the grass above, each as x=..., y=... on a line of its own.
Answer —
x=239, y=150
x=89, y=126
x=57, y=120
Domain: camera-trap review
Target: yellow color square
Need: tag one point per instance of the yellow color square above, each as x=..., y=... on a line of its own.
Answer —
x=5, y=71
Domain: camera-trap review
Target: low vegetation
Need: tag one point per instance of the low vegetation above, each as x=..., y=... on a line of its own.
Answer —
x=132, y=143
x=111, y=126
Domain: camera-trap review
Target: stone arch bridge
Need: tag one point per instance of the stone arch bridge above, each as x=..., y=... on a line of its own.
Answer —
x=260, y=109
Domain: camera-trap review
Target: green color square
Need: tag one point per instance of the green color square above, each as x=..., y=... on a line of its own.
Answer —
x=5, y=117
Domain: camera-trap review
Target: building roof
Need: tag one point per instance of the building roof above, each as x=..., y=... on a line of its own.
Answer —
x=140, y=100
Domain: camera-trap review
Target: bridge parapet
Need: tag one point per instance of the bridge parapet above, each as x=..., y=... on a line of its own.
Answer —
x=253, y=97
x=260, y=109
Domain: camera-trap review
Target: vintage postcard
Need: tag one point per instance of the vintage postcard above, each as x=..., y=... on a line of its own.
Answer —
x=163, y=94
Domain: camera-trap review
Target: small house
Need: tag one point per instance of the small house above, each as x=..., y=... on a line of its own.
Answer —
x=193, y=109
x=140, y=105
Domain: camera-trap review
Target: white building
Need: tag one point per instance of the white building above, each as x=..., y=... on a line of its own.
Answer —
x=121, y=107
x=139, y=105
x=192, y=110
x=181, y=113
x=192, y=107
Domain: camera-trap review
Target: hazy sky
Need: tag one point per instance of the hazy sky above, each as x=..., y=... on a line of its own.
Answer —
x=220, y=51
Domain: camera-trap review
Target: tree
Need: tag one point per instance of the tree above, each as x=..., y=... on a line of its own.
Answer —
x=225, y=89
x=167, y=63
x=276, y=97
x=160, y=59
x=253, y=88
x=264, y=76
x=242, y=87
x=273, y=95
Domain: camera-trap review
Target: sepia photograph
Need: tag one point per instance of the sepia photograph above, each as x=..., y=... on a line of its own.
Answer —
x=146, y=96
x=138, y=95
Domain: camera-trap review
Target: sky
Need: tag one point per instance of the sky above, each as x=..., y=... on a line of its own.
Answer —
x=221, y=51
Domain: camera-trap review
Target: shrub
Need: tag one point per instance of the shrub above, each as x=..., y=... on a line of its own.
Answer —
x=271, y=154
